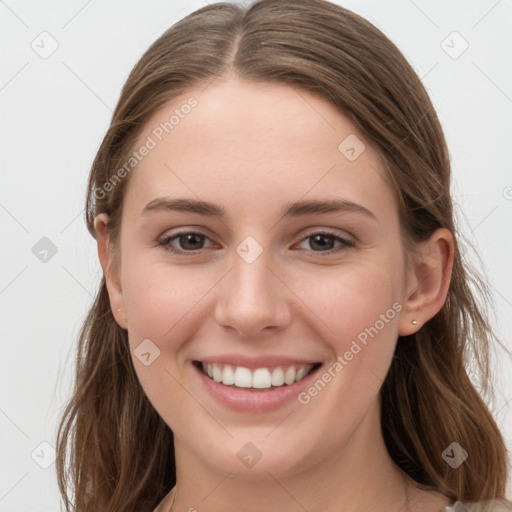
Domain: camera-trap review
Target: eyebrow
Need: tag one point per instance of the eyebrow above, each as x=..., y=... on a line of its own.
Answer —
x=296, y=209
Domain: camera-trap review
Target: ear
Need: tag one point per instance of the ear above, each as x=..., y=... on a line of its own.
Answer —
x=111, y=271
x=428, y=281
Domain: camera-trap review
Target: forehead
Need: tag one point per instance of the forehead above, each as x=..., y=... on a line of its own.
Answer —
x=246, y=144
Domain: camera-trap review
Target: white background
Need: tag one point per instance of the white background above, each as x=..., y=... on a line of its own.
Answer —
x=54, y=113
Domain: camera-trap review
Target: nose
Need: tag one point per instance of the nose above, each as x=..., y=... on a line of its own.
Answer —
x=253, y=298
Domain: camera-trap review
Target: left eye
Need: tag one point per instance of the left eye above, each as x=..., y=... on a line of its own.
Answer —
x=189, y=241
x=325, y=242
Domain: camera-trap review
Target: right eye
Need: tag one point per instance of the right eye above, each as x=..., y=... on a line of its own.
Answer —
x=190, y=242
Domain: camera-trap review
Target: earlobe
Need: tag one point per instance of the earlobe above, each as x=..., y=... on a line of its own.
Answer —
x=110, y=266
x=430, y=275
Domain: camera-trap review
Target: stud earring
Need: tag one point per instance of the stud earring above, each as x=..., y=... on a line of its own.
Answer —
x=414, y=322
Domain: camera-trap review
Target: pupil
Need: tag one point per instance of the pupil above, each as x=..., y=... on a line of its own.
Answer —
x=321, y=245
x=190, y=238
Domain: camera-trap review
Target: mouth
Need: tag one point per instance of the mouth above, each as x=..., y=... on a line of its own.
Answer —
x=256, y=379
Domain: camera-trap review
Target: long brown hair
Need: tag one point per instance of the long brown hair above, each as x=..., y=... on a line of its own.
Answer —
x=114, y=451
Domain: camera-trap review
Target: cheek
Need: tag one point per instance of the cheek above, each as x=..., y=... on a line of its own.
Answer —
x=160, y=298
x=161, y=305
x=349, y=301
x=361, y=311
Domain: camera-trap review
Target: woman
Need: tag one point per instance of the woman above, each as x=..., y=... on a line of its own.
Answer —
x=285, y=316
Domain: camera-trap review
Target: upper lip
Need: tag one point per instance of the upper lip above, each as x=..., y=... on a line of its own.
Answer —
x=256, y=362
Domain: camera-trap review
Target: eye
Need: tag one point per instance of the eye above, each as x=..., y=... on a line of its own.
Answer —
x=188, y=241
x=324, y=241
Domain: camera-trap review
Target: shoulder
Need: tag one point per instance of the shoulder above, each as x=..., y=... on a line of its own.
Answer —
x=498, y=505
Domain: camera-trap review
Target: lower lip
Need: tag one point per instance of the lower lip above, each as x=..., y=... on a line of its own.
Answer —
x=252, y=400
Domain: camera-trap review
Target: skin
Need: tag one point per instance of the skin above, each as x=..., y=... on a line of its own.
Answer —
x=252, y=148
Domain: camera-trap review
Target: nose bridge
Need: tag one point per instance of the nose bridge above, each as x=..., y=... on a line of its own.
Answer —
x=252, y=277
x=251, y=298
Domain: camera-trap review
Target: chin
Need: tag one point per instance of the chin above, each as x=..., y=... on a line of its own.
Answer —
x=251, y=457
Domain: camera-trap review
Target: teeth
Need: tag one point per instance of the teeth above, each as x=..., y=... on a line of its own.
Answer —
x=289, y=376
x=300, y=374
x=277, y=377
x=217, y=374
x=243, y=377
x=261, y=378
x=228, y=376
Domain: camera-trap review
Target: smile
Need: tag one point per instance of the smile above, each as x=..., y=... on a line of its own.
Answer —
x=264, y=378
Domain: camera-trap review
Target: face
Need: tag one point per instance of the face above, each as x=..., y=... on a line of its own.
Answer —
x=293, y=309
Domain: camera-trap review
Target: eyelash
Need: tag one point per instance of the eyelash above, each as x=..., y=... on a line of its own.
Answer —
x=165, y=242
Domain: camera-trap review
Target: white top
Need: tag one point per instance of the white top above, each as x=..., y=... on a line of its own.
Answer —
x=492, y=506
